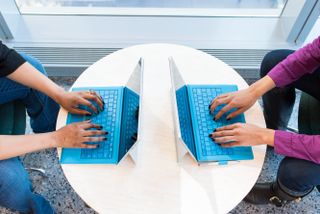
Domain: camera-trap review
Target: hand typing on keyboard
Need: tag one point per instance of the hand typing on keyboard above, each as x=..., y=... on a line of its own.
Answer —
x=242, y=134
x=78, y=134
x=239, y=100
x=196, y=123
x=81, y=102
x=118, y=118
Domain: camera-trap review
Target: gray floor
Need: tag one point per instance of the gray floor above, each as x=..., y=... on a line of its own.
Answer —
x=57, y=190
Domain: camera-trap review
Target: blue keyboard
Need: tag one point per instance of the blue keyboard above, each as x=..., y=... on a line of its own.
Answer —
x=196, y=123
x=117, y=118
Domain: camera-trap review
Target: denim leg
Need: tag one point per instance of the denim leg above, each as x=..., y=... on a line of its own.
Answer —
x=15, y=189
x=42, y=109
x=298, y=177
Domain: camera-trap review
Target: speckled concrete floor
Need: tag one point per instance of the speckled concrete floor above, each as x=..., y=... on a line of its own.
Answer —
x=57, y=190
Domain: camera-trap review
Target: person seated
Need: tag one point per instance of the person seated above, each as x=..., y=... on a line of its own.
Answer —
x=23, y=78
x=282, y=72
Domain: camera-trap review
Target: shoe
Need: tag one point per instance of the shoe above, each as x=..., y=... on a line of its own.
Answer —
x=269, y=193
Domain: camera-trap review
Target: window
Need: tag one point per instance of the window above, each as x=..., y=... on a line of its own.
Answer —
x=154, y=7
x=202, y=24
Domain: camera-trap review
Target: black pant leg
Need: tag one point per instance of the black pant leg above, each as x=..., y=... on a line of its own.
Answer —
x=278, y=102
x=309, y=83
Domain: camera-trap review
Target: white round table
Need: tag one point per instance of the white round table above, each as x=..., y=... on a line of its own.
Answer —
x=157, y=183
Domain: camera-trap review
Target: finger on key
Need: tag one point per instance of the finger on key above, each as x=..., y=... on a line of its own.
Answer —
x=89, y=104
x=218, y=102
x=223, y=111
x=93, y=96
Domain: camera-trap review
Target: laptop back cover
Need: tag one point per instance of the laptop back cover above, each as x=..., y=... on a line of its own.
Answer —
x=178, y=83
x=133, y=110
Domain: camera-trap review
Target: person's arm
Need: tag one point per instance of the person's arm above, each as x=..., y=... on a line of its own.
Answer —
x=27, y=75
x=15, y=67
x=74, y=135
x=301, y=146
x=241, y=100
x=16, y=145
x=10, y=60
x=303, y=61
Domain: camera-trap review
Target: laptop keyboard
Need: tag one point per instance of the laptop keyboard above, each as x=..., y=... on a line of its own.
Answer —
x=119, y=118
x=106, y=118
x=110, y=118
x=196, y=122
x=201, y=98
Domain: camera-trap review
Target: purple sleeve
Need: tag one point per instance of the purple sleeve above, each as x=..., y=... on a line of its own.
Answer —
x=301, y=62
x=300, y=146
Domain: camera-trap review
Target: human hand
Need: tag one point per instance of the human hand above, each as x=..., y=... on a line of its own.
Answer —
x=240, y=100
x=72, y=100
x=242, y=134
x=78, y=134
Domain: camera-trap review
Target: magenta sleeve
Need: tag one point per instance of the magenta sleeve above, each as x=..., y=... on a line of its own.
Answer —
x=300, y=146
x=301, y=62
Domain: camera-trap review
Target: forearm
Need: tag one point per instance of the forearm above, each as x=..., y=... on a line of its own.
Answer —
x=29, y=76
x=298, y=145
x=303, y=61
x=15, y=145
x=262, y=86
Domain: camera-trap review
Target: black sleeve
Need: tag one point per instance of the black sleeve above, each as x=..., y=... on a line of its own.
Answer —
x=10, y=60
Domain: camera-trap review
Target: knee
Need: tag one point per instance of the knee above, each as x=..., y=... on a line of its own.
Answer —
x=13, y=174
x=268, y=62
x=294, y=173
x=288, y=169
x=34, y=62
x=15, y=189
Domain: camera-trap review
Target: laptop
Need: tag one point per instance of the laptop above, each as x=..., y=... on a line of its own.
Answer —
x=121, y=117
x=194, y=122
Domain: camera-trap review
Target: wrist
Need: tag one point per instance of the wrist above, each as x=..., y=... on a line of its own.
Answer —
x=261, y=86
x=58, y=94
x=254, y=91
x=268, y=137
x=54, y=139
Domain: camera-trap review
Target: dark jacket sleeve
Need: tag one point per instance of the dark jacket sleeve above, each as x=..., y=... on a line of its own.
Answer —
x=10, y=60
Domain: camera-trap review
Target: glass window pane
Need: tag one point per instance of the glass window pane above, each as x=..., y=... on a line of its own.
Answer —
x=251, y=7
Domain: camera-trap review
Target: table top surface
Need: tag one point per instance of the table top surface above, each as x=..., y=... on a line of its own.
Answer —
x=157, y=183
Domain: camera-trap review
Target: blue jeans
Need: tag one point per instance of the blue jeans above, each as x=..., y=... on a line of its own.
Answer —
x=297, y=177
x=42, y=109
x=15, y=187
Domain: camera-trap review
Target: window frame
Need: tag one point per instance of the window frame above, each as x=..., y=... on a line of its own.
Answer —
x=263, y=32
